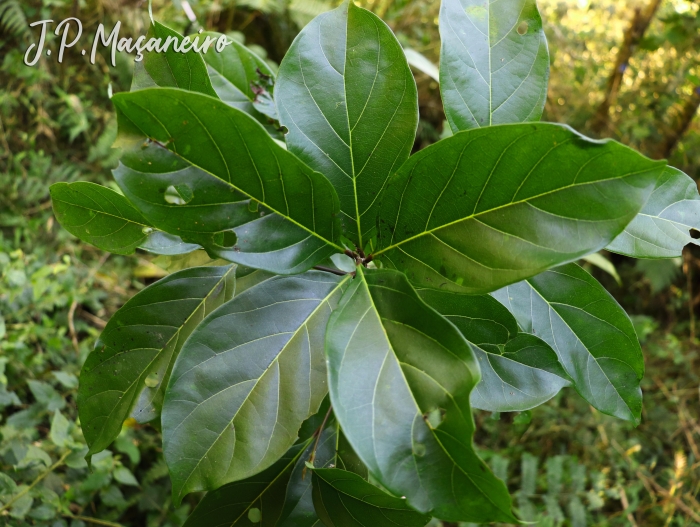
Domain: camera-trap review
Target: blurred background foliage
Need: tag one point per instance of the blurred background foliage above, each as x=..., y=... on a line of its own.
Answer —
x=623, y=69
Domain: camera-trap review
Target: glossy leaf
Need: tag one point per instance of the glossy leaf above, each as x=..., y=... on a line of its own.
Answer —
x=232, y=146
x=246, y=380
x=260, y=239
x=591, y=334
x=662, y=228
x=518, y=371
x=344, y=499
x=349, y=100
x=102, y=217
x=400, y=376
x=240, y=77
x=132, y=360
x=494, y=65
x=488, y=207
x=279, y=496
x=170, y=69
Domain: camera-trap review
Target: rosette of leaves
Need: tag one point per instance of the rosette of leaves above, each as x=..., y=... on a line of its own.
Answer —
x=410, y=288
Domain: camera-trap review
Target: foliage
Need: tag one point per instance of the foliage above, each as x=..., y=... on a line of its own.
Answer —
x=497, y=208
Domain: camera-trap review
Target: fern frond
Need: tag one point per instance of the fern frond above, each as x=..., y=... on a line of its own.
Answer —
x=12, y=20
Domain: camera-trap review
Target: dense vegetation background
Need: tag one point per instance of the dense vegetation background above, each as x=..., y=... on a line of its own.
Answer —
x=628, y=70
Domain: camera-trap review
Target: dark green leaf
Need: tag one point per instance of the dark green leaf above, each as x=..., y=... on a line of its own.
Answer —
x=344, y=499
x=170, y=69
x=107, y=220
x=348, y=98
x=518, y=372
x=492, y=206
x=662, y=228
x=494, y=65
x=139, y=345
x=400, y=376
x=281, y=494
x=232, y=146
x=246, y=380
x=591, y=334
x=262, y=240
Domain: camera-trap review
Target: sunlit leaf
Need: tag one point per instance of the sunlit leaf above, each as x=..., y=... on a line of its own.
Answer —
x=245, y=381
x=488, y=207
x=494, y=65
x=400, y=378
x=348, y=98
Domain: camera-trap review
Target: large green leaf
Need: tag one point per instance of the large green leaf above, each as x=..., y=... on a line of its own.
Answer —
x=180, y=198
x=241, y=79
x=344, y=499
x=170, y=69
x=278, y=496
x=349, y=100
x=662, y=228
x=246, y=379
x=518, y=371
x=132, y=360
x=591, y=334
x=400, y=377
x=492, y=206
x=494, y=63
x=102, y=217
x=232, y=146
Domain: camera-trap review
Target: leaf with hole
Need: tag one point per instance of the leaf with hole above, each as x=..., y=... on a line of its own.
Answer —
x=233, y=147
x=348, y=98
x=400, y=377
x=246, y=380
x=140, y=343
x=492, y=206
x=591, y=334
x=494, y=66
x=662, y=228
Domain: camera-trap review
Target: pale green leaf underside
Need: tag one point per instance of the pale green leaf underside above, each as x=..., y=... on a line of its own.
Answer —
x=245, y=381
x=662, y=228
x=591, y=334
x=494, y=66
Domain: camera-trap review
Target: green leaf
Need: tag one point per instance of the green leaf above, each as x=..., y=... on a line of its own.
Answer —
x=488, y=207
x=281, y=493
x=102, y=217
x=349, y=100
x=60, y=427
x=400, y=376
x=345, y=499
x=662, y=228
x=494, y=65
x=232, y=146
x=124, y=476
x=170, y=69
x=591, y=334
x=262, y=240
x=246, y=380
x=46, y=395
x=141, y=342
x=518, y=371
x=241, y=78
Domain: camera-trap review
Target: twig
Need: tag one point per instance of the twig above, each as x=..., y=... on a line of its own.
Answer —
x=626, y=505
x=330, y=270
x=36, y=481
x=666, y=494
x=97, y=321
x=92, y=520
x=319, y=433
x=71, y=326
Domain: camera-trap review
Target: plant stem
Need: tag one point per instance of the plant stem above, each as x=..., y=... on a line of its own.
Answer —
x=330, y=270
x=92, y=520
x=36, y=481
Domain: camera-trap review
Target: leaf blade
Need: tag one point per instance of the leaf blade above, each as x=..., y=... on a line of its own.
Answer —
x=495, y=62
